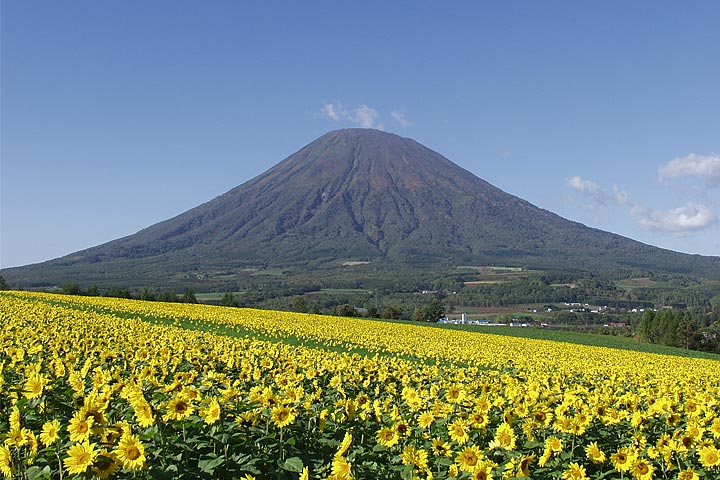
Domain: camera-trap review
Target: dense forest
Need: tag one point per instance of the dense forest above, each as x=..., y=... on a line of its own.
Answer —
x=685, y=329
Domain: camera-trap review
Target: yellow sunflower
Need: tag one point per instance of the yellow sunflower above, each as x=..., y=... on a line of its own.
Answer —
x=715, y=428
x=425, y=420
x=554, y=444
x=642, y=469
x=178, y=408
x=524, y=466
x=575, y=472
x=50, y=432
x=622, y=460
x=344, y=445
x=441, y=448
x=455, y=394
x=688, y=474
x=458, y=432
x=468, y=458
x=341, y=467
x=282, y=416
x=402, y=428
x=130, y=452
x=478, y=419
x=80, y=457
x=105, y=465
x=143, y=414
x=414, y=456
x=17, y=437
x=6, y=461
x=483, y=471
x=387, y=437
x=594, y=454
x=34, y=386
x=211, y=413
x=79, y=428
x=709, y=457
x=504, y=437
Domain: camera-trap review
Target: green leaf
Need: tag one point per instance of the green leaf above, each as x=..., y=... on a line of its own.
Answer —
x=609, y=472
x=209, y=465
x=407, y=472
x=240, y=458
x=293, y=464
x=36, y=472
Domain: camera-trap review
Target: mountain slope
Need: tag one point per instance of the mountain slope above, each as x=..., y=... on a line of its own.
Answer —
x=362, y=195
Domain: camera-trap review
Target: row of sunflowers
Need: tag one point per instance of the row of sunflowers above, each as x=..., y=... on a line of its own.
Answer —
x=109, y=388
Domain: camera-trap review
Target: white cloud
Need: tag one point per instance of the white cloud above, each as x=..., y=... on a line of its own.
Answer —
x=363, y=115
x=401, y=118
x=366, y=117
x=584, y=186
x=620, y=197
x=597, y=193
x=682, y=220
x=334, y=111
x=703, y=166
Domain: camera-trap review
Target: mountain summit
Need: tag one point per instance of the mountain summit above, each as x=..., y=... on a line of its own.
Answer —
x=358, y=195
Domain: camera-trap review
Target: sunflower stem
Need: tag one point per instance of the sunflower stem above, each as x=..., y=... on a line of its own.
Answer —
x=60, y=466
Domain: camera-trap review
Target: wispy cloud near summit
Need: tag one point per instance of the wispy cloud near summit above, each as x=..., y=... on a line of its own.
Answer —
x=333, y=111
x=366, y=117
x=362, y=116
x=401, y=119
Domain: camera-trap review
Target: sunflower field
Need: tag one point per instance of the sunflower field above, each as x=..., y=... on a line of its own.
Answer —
x=107, y=388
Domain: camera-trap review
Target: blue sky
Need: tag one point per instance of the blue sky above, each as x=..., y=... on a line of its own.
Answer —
x=117, y=115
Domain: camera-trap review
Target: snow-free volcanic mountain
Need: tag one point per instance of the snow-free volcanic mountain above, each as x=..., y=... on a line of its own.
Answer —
x=351, y=196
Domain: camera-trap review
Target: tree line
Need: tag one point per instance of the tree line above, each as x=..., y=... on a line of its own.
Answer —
x=147, y=294
x=678, y=328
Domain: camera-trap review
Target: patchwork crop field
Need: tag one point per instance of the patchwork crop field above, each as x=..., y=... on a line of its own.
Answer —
x=108, y=388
